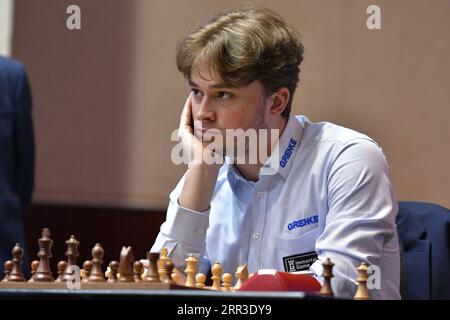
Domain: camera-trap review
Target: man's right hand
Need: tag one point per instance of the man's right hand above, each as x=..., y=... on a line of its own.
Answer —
x=200, y=179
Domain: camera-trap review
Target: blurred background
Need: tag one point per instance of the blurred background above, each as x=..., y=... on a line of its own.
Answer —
x=107, y=97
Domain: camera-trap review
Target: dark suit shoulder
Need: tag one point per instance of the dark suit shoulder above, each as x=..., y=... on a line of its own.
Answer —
x=13, y=85
x=11, y=71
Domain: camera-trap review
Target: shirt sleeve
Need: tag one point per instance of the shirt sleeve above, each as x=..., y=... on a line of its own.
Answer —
x=360, y=223
x=184, y=231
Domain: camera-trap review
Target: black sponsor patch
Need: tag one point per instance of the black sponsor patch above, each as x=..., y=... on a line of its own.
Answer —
x=299, y=262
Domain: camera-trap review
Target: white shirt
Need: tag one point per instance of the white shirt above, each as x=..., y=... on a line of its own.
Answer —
x=332, y=197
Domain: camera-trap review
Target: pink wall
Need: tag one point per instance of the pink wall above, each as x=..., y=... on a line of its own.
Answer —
x=108, y=96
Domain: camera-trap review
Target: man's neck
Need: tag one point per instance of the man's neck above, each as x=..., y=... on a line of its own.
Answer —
x=251, y=171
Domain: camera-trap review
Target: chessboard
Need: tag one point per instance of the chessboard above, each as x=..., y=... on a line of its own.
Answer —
x=155, y=272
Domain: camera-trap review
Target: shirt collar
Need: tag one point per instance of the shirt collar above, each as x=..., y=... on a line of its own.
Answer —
x=284, y=153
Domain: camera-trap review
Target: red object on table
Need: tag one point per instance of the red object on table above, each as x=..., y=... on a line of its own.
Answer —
x=281, y=281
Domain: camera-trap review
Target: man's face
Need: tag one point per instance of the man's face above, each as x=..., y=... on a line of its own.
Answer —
x=219, y=107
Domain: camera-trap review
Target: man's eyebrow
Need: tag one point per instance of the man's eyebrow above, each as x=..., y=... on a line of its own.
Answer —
x=213, y=86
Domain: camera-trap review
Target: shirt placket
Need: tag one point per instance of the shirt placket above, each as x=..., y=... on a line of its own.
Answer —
x=257, y=229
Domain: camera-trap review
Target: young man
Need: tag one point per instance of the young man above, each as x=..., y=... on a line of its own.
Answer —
x=329, y=193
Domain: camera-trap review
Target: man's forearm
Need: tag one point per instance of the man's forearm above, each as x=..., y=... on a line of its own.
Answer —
x=198, y=187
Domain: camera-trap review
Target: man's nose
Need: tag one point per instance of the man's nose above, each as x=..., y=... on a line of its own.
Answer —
x=205, y=111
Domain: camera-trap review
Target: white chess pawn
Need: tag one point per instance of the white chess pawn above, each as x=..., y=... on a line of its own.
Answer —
x=216, y=271
x=227, y=280
x=200, y=279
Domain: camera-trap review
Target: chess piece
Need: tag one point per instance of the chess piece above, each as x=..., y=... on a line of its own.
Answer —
x=16, y=274
x=200, y=279
x=34, y=267
x=62, y=266
x=138, y=268
x=241, y=276
x=216, y=271
x=362, y=293
x=43, y=273
x=151, y=273
x=8, y=268
x=227, y=280
x=87, y=267
x=191, y=269
x=161, y=263
x=71, y=254
x=114, y=269
x=96, y=274
x=108, y=272
x=126, y=273
x=169, y=269
x=175, y=276
x=327, y=274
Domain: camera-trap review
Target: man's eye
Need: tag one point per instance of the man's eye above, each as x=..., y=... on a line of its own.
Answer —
x=223, y=95
x=196, y=92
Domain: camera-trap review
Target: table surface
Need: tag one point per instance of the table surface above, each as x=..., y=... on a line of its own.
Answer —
x=6, y=293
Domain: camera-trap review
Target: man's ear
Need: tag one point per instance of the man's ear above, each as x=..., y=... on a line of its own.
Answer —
x=279, y=101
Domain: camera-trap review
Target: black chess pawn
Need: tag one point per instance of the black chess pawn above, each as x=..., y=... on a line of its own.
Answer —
x=34, y=267
x=138, y=268
x=62, y=266
x=114, y=268
x=87, y=267
x=8, y=268
x=16, y=274
x=169, y=268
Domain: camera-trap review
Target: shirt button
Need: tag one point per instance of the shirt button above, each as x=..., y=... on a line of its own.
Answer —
x=200, y=230
x=255, y=236
x=260, y=194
